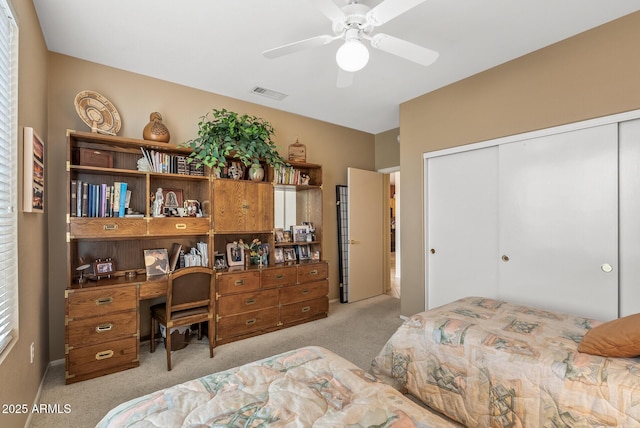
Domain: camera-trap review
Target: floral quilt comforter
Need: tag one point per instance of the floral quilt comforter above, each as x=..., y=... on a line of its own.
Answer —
x=302, y=388
x=490, y=363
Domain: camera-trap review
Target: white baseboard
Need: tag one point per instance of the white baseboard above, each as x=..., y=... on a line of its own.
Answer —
x=36, y=400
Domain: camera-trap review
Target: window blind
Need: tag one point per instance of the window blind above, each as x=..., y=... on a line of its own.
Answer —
x=8, y=178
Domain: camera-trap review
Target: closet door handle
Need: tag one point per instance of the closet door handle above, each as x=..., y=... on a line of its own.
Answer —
x=606, y=268
x=505, y=258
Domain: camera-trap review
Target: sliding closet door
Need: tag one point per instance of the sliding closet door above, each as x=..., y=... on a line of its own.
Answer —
x=462, y=237
x=558, y=216
x=629, y=217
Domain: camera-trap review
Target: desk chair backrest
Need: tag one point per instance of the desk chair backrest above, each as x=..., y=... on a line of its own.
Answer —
x=189, y=289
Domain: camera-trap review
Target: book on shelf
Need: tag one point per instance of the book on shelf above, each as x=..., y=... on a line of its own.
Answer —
x=74, y=198
x=123, y=199
x=174, y=256
x=85, y=200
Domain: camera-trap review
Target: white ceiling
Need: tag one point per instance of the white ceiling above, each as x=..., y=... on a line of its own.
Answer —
x=217, y=46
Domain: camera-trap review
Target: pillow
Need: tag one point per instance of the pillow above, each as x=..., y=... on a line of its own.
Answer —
x=617, y=338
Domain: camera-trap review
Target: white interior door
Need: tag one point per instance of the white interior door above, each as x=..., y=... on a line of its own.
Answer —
x=462, y=236
x=366, y=231
x=558, y=216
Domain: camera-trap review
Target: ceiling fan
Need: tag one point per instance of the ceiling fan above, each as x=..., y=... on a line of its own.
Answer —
x=354, y=23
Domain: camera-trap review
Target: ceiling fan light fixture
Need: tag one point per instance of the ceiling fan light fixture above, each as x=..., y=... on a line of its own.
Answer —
x=352, y=55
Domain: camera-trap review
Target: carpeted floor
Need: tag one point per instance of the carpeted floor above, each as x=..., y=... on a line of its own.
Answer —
x=356, y=331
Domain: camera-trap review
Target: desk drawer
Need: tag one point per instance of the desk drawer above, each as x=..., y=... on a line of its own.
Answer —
x=105, y=228
x=102, y=329
x=238, y=282
x=299, y=312
x=303, y=292
x=172, y=226
x=153, y=289
x=312, y=272
x=247, y=323
x=102, y=356
x=278, y=276
x=246, y=302
x=101, y=301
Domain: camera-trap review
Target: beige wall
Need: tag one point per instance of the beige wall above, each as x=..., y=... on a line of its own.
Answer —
x=387, y=149
x=593, y=74
x=19, y=378
x=135, y=96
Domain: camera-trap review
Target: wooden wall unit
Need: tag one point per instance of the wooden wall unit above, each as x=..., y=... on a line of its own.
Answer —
x=102, y=317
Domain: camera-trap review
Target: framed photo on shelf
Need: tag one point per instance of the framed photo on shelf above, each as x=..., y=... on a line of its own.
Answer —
x=173, y=200
x=156, y=262
x=192, y=208
x=278, y=255
x=304, y=253
x=287, y=235
x=315, y=255
x=33, y=198
x=300, y=233
x=220, y=261
x=280, y=235
x=289, y=254
x=265, y=253
x=235, y=254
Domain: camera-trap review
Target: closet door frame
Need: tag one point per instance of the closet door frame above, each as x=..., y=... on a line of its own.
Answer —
x=616, y=118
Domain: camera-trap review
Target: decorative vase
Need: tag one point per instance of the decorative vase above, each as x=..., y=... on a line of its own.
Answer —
x=155, y=129
x=247, y=259
x=256, y=172
x=255, y=260
x=235, y=172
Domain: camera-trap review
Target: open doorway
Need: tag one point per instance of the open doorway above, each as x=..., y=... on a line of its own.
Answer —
x=394, y=234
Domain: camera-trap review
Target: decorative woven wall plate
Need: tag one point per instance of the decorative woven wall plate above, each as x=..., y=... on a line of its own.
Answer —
x=97, y=112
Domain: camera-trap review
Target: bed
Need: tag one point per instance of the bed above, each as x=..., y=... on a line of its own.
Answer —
x=490, y=363
x=306, y=387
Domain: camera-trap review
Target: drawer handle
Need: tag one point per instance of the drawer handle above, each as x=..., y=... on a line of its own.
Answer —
x=181, y=226
x=249, y=302
x=250, y=322
x=104, y=355
x=102, y=328
x=313, y=272
x=279, y=276
x=305, y=291
x=112, y=226
x=104, y=301
x=306, y=309
x=239, y=282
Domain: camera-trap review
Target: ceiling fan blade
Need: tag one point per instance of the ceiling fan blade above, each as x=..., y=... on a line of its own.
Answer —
x=345, y=78
x=389, y=9
x=298, y=46
x=404, y=49
x=329, y=9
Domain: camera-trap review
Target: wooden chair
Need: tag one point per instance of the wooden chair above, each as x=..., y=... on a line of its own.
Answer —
x=189, y=301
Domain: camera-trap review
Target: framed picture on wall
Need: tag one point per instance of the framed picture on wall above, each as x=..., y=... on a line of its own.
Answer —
x=33, y=196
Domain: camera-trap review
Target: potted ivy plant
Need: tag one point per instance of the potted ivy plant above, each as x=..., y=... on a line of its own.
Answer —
x=224, y=134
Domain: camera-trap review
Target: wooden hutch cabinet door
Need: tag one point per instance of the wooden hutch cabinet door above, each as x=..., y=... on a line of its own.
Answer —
x=240, y=205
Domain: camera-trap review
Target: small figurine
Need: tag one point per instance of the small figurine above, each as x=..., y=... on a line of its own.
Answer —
x=157, y=203
x=155, y=129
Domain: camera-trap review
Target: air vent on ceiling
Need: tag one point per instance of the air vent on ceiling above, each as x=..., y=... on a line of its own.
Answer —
x=268, y=93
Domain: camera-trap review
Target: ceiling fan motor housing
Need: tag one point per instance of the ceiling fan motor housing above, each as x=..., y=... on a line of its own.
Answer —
x=355, y=17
